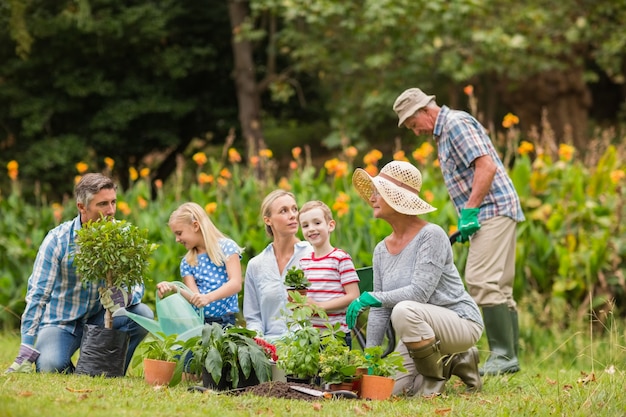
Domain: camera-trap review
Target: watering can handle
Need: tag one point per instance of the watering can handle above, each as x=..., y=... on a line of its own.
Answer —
x=179, y=286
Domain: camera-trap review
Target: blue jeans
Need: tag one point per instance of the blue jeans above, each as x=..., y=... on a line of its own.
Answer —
x=224, y=321
x=56, y=346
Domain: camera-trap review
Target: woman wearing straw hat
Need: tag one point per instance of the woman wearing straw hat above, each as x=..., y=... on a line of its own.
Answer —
x=418, y=287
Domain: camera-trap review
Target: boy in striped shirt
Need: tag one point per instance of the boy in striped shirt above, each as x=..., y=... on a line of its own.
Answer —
x=334, y=281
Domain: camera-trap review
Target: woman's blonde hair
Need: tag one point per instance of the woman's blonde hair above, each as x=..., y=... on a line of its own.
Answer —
x=188, y=213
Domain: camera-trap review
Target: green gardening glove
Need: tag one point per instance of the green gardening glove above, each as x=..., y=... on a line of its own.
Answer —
x=357, y=306
x=468, y=224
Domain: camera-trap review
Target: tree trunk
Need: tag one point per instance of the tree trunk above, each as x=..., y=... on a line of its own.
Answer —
x=108, y=317
x=248, y=95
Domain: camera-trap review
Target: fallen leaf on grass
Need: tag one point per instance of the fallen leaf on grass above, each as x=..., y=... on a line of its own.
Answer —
x=25, y=394
x=586, y=378
x=442, y=411
x=317, y=406
x=550, y=381
x=78, y=390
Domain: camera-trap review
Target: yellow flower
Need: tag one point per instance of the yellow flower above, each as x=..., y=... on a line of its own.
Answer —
x=436, y=163
x=210, y=208
x=525, y=148
x=400, y=156
x=566, y=152
x=143, y=203
x=81, y=167
x=77, y=179
x=144, y=172
x=510, y=120
x=233, y=156
x=199, y=158
x=110, y=163
x=283, y=184
x=132, y=172
x=372, y=157
x=265, y=153
x=296, y=152
x=351, y=152
x=617, y=175
x=123, y=207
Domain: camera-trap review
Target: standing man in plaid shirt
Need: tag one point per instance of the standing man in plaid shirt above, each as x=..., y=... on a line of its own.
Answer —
x=489, y=210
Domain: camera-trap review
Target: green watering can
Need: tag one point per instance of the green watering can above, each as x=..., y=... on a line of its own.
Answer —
x=176, y=316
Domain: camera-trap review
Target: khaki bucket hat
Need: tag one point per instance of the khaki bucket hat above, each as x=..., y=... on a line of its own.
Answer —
x=398, y=183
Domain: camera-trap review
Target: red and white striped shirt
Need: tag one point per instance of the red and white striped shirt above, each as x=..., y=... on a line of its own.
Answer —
x=328, y=275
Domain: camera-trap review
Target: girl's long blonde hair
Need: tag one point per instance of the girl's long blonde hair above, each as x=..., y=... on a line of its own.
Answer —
x=188, y=213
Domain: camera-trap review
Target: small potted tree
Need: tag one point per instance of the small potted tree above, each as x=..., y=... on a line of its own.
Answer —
x=339, y=365
x=296, y=281
x=226, y=358
x=379, y=381
x=110, y=254
x=159, y=356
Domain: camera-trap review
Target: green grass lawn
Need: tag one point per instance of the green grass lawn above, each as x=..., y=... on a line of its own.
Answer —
x=563, y=374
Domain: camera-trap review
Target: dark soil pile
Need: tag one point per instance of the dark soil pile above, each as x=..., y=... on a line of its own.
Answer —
x=277, y=389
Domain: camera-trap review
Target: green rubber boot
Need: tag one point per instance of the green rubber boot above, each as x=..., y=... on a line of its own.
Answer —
x=465, y=366
x=430, y=363
x=500, y=335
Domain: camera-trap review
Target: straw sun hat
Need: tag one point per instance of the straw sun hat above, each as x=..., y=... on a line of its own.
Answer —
x=398, y=183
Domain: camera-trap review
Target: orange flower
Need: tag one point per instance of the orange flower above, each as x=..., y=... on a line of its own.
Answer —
x=371, y=169
x=132, y=172
x=254, y=160
x=81, y=167
x=296, y=152
x=372, y=157
x=77, y=179
x=110, y=163
x=283, y=184
x=210, y=208
x=351, y=152
x=199, y=158
x=617, y=175
x=436, y=163
x=422, y=153
x=222, y=182
x=566, y=152
x=400, y=156
x=158, y=184
x=525, y=148
x=341, y=169
x=468, y=90
x=330, y=165
x=265, y=153
x=57, y=212
x=143, y=203
x=341, y=206
x=510, y=120
x=429, y=196
x=144, y=172
x=225, y=173
x=293, y=165
x=123, y=207
x=233, y=156
x=204, y=178
x=13, y=169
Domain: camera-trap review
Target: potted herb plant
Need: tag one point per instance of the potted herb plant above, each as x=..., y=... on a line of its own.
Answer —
x=296, y=281
x=226, y=358
x=159, y=356
x=379, y=381
x=299, y=351
x=109, y=253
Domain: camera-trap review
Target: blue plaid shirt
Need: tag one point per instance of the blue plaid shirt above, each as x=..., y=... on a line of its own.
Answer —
x=56, y=296
x=460, y=140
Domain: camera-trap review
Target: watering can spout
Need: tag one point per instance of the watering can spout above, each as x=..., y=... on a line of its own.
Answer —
x=150, y=325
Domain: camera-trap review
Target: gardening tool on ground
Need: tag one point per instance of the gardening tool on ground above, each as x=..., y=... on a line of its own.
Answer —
x=176, y=316
x=325, y=394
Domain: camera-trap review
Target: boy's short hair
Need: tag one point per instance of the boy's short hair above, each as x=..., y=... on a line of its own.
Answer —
x=313, y=204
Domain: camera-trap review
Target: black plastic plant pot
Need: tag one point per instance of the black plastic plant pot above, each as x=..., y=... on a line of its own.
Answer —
x=102, y=352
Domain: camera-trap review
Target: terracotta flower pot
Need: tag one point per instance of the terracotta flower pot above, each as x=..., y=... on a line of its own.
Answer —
x=375, y=387
x=158, y=372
